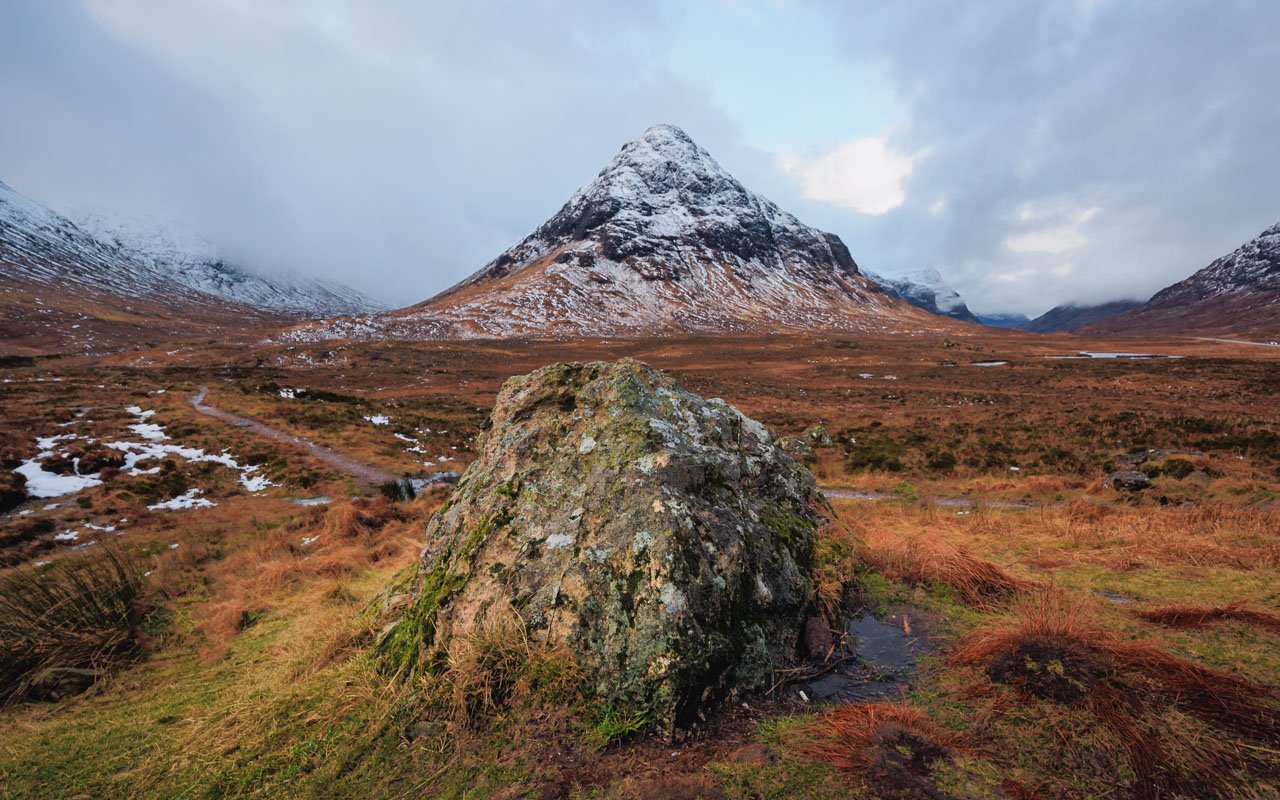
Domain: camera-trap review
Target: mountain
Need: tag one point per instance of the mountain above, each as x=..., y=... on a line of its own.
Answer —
x=1012, y=321
x=663, y=241
x=199, y=264
x=1070, y=316
x=64, y=289
x=1238, y=294
x=924, y=288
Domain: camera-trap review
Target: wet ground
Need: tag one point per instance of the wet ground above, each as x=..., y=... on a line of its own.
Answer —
x=880, y=657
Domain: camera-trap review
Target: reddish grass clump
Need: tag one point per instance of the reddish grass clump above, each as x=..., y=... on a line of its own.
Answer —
x=1199, y=616
x=976, y=582
x=1181, y=726
x=892, y=747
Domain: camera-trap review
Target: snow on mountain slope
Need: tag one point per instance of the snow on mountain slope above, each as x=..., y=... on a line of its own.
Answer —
x=64, y=289
x=924, y=288
x=1237, y=294
x=199, y=264
x=662, y=241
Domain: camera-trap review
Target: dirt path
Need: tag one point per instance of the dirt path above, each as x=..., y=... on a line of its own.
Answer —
x=946, y=502
x=365, y=473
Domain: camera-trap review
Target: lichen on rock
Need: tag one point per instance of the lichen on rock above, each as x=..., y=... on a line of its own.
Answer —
x=663, y=538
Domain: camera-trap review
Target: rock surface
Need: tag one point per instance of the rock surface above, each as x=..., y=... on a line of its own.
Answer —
x=662, y=537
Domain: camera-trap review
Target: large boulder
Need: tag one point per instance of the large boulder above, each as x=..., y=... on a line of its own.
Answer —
x=662, y=537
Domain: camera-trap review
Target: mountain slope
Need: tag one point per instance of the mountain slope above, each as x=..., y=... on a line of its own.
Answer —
x=64, y=289
x=1070, y=316
x=924, y=288
x=1008, y=321
x=663, y=241
x=198, y=264
x=1238, y=294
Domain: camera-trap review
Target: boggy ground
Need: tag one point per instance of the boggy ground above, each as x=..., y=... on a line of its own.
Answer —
x=1046, y=596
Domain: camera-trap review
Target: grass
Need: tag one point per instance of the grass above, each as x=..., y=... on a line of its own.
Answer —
x=83, y=613
x=260, y=679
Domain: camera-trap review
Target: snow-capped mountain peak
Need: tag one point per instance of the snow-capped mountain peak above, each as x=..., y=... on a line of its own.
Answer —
x=663, y=240
x=924, y=287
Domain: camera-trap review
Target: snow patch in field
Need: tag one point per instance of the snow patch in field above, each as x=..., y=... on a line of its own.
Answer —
x=42, y=483
x=67, y=536
x=189, y=499
x=379, y=419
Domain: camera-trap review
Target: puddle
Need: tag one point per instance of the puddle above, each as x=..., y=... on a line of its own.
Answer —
x=990, y=363
x=312, y=501
x=1093, y=354
x=882, y=663
x=1115, y=597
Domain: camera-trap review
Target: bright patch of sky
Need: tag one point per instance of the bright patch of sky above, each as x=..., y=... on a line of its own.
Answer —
x=773, y=67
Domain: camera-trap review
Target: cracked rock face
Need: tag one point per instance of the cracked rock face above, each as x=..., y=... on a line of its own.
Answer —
x=663, y=537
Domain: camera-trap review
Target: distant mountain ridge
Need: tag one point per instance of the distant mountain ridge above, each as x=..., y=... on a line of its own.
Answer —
x=1072, y=316
x=662, y=241
x=63, y=287
x=925, y=288
x=1237, y=294
x=1009, y=321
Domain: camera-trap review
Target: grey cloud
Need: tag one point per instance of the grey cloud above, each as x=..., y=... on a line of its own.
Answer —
x=397, y=146
x=1161, y=115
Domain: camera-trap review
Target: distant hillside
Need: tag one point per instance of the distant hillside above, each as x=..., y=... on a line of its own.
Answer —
x=1236, y=295
x=1004, y=320
x=924, y=288
x=64, y=288
x=1071, y=317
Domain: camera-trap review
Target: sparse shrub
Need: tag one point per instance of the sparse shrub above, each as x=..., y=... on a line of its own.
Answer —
x=1178, y=468
x=78, y=617
x=943, y=461
x=876, y=453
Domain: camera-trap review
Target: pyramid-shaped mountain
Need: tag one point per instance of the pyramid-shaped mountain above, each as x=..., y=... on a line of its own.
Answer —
x=663, y=241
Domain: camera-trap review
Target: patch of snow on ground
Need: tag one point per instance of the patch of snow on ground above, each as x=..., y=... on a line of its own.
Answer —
x=67, y=536
x=379, y=419
x=42, y=483
x=189, y=499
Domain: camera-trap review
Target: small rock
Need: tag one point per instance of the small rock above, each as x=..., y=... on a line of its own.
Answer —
x=1129, y=481
x=817, y=435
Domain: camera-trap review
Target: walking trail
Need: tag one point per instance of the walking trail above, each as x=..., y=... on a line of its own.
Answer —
x=365, y=473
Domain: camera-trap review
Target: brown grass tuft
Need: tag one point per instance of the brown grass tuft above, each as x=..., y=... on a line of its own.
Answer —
x=922, y=558
x=891, y=747
x=1177, y=616
x=1181, y=726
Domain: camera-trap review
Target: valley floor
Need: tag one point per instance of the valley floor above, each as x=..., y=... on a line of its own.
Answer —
x=1067, y=638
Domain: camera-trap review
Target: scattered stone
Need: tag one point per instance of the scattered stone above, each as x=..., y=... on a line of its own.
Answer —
x=1129, y=481
x=669, y=556
x=818, y=436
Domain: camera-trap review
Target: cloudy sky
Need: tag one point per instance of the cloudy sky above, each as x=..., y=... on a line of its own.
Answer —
x=1032, y=152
